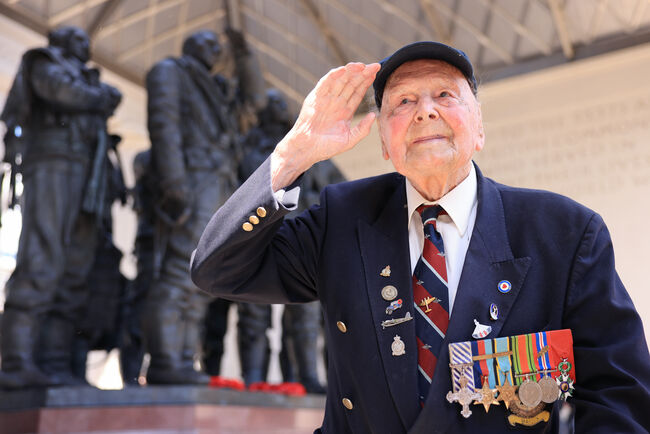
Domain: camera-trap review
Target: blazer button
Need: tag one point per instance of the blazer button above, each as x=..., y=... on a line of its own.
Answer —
x=347, y=403
x=261, y=211
x=342, y=327
x=247, y=227
x=253, y=219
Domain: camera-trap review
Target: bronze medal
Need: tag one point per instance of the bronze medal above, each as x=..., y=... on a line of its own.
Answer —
x=550, y=390
x=530, y=393
x=516, y=407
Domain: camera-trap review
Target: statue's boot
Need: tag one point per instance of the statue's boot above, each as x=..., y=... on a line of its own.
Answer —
x=191, y=347
x=55, y=358
x=9, y=382
x=306, y=348
x=254, y=319
x=131, y=357
x=164, y=336
x=19, y=371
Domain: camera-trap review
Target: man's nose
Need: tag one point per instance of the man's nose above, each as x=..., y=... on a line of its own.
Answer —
x=426, y=109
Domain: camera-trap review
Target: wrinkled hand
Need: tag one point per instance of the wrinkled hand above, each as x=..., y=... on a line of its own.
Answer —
x=324, y=126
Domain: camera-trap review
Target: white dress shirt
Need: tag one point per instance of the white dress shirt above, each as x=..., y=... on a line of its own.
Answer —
x=455, y=228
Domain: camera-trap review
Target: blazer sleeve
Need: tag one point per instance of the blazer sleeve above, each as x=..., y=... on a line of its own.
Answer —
x=275, y=262
x=611, y=354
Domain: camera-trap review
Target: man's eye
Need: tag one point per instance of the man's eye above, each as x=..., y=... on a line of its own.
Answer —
x=444, y=94
x=404, y=101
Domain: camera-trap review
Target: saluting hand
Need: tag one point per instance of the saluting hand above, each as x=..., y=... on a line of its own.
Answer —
x=324, y=126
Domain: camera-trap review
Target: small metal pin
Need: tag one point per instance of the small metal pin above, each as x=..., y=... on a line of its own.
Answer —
x=398, y=347
x=481, y=331
x=494, y=312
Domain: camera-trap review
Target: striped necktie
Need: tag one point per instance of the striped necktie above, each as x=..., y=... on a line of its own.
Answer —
x=431, y=298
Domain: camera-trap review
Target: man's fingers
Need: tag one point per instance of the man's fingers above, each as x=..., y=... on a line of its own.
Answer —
x=362, y=129
x=331, y=83
x=358, y=77
x=336, y=82
x=360, y=91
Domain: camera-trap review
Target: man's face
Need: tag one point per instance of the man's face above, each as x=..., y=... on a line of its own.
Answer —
x=207, y=49
x=79, y=45
x=430, y=122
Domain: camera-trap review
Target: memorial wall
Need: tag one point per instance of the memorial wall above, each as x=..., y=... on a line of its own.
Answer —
x=580, y=129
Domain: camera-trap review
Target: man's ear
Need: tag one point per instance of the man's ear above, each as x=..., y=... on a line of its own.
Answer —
x=480, y=140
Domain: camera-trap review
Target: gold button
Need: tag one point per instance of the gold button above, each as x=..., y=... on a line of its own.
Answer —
x=341, y=326
x=247, y=227
x=347, y=403
x=261, y=211
x=253, y=219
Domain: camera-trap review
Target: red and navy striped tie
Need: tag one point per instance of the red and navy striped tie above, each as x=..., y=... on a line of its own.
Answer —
x=431, y=298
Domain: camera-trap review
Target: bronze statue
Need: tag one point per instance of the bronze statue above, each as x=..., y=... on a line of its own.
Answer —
x=194, y=132
x=99, y=325
x=131, y=335
x=300, y=322
x=64, y=167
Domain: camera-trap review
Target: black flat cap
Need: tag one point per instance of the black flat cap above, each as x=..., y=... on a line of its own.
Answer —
x=422, y=50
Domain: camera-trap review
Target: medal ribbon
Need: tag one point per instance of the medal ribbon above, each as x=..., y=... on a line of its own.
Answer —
x=489, y=364
x=461, y=353
x=480, y=368
x=503, y=362
x=531, y=352
x=560, y=346
x=543, y=362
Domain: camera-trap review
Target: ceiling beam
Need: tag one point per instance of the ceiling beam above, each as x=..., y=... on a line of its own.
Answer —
x=359, y=19
x=435, y=22
x=291, y=37
x=137, y=16
x=559, y=19
x=105, y=13
x=174, y=31
x=39, y=26
x=408, y=19
x=518, y=27
x=476, y=32
x=282, y=58
x=26, y=18
x=74, y=10
x=332, y=41
x=638, y=14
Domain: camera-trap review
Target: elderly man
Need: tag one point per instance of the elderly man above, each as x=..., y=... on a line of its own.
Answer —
x=522, y=261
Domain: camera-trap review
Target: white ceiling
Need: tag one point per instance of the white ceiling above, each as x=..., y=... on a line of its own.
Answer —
x=297, y=41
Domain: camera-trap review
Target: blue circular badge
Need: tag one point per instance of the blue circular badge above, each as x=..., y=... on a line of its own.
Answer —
x=504, y=286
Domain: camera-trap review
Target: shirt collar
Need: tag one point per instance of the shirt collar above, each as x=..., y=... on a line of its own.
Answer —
x=458, y=202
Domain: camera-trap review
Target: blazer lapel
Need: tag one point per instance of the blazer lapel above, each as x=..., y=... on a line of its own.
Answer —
x=385, y=243
x=489, y=260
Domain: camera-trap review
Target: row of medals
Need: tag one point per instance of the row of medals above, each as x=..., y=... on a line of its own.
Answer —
x=530, y=398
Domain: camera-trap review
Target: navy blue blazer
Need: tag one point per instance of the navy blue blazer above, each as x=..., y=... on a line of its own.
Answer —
x=556, y=253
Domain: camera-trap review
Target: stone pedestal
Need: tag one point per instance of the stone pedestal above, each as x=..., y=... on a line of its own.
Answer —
x=157, y=409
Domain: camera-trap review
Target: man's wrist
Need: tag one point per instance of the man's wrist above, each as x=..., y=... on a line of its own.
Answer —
x=286, y=166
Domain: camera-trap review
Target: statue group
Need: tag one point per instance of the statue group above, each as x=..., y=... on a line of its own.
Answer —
x=66, y=295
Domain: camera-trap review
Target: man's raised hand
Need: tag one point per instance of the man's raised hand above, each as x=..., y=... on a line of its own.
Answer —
x=324, y=127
